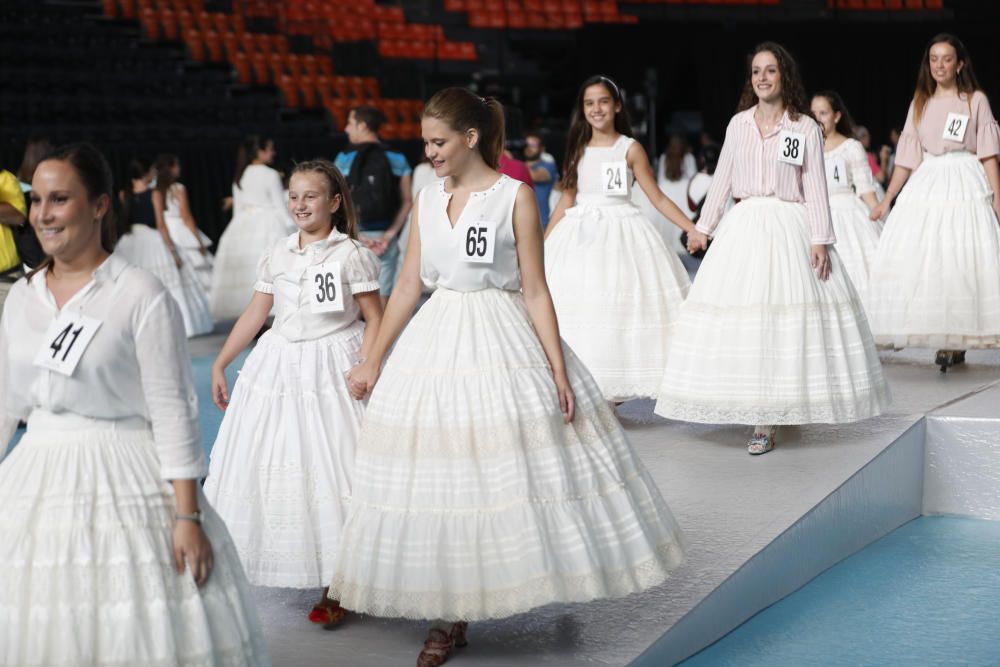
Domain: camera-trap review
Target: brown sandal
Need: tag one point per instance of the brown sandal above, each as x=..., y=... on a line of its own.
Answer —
x=437, y=648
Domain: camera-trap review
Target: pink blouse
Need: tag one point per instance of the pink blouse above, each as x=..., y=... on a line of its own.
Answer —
x=982, y=136
x=749, y=167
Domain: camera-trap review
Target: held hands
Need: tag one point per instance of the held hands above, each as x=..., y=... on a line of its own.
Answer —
x=177, y=257
x=192, y=548
x=567, y=401
x=220, y=389
x=362, y=378
x=880, y=211
x=820, y=260
x=696, y=241
x=377, y=246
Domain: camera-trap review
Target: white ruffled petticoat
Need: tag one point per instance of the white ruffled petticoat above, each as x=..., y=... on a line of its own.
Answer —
x=144, y=247
x=87, y=573
x=472, y=498
x=189, y=248
x=617, y=290
x=857, y=238
x=761, y=340
x=936, y=278
x=248, y=236
x=282, y=462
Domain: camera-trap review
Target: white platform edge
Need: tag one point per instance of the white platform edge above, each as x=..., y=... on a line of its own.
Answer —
x=962, y=469
x=883, y=495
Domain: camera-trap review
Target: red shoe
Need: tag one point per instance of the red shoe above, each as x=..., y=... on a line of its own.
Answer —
x=328, y=612
x=437, y=648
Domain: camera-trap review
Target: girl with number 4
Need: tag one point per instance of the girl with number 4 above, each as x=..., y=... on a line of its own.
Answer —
x=491, y=475
x=851, y=187
x=616, y=286
x=284, y=456
x=773, y=331
x=936, y=278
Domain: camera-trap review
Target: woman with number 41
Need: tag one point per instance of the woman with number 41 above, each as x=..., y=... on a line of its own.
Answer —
x=491, y=475
x=616, y=286
x=773, y=331
x=936, y=278
x=282, y=462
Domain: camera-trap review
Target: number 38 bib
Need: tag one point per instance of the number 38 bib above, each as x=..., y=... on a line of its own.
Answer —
x=65, y=341
x=791, y=147
x=325, y=288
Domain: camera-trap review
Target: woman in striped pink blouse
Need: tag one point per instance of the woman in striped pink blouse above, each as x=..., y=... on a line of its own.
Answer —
x=773, y=331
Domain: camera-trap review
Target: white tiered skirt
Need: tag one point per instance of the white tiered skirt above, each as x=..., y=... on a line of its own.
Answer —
x=144, y=247
x=617, y=290
x=857, y=238
x=761, y=340
x=282, y=462
x=936, y=279
x=87, y=573
x=189, y=248
x=248, y=236
x=472, y=499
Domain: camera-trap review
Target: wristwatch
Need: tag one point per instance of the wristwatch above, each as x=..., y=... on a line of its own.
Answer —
x=196, y=517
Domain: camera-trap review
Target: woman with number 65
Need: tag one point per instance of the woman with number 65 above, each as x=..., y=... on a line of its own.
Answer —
x=773, y=331
x=109, y=554
x=491, y=475
x=936, y=278
x=283, y=459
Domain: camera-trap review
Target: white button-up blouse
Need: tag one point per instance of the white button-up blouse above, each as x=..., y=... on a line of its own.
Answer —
x=136, y=365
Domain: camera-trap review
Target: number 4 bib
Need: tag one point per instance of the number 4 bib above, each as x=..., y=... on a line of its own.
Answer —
x=65, y=341
x=325, y=288
x=791, y=147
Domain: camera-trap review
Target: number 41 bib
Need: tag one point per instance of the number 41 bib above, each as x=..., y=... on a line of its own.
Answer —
x=65, y=341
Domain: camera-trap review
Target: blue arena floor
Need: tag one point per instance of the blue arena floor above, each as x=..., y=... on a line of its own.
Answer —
x=926, y=594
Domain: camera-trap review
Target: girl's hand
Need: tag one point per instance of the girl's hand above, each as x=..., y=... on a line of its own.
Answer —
x=996, y=207
x=192, y=548
x=821, y=261
x=697, y=241
x=203, y=250
x=880, y=211
x=220, y=388
x=362, y=378
x=567, y=401
x=177, y=257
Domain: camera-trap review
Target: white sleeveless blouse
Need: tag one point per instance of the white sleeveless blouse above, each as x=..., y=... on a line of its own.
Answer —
x=589, y=184
x=445, y=250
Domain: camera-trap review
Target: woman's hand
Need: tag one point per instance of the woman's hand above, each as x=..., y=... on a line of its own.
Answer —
x=880, y=211
x=220, y=388
x=177, y=257
x=696, y=241
x=996, y=207
x=362, y=378
x=192, y=549
x=820, y=260
x=567, y=401
x=203, y=250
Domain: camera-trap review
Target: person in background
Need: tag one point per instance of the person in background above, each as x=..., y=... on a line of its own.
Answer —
x=544, y=173
x=516, y=169
x=12, y=215
x=381, y=183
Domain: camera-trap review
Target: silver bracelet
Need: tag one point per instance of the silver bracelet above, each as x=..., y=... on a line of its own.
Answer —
x=196, y=517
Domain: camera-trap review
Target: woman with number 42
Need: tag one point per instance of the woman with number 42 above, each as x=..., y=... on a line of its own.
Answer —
x=936, y=278
x=616, y=286
x=773, y=331
x=282, y=462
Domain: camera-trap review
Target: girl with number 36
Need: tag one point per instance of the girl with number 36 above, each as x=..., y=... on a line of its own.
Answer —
x=283, y=459
x=936, y=278
x=773, y=331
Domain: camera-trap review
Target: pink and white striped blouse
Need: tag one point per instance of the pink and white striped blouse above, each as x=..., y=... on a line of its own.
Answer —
x=749, y=167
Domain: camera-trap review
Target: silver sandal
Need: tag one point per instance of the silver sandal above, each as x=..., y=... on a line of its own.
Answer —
x=760, y=443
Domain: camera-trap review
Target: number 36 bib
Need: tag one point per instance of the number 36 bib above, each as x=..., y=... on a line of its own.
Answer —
x=325, y=288
x=65, y=341
x=791, y=147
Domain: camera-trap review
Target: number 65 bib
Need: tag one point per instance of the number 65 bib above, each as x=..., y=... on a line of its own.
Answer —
x=325, y=288
x=479, y=242
x=791, y=147
x=65, y=341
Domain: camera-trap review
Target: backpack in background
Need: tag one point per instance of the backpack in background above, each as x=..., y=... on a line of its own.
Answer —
x=374, y=188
